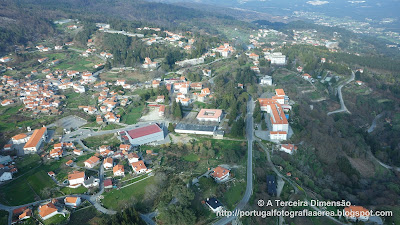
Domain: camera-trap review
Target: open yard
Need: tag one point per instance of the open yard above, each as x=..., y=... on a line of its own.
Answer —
x=73, y=100
x=27, y=188
x=57, y=219
x=116, y=198
x=84, y=216
x=30, y=186
x=71, y=191
x=112, y=126
x=132, y=114
x=3, y=217
x=97, y=141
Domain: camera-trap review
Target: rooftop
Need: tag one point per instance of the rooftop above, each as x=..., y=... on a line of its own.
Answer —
x=144, y=131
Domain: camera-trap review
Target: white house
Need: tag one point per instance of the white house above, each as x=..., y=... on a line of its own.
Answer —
x=72, y=201
x=119, y=170
x=214, y=204
x=47, y=211
x=5, y=176
x=108, y=163
x=133, y=157
x=92, y=162
x=76, y=179
x=266, y=80
x=288, y=148
x=220, y=174
x=20, y=138
x=139, y=167
x=5, y=59
x=354, y=213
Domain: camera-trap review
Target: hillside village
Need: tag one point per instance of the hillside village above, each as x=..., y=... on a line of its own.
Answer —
x=94, y=132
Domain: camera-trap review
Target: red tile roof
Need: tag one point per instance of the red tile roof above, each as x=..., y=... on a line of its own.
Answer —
x=144, y=131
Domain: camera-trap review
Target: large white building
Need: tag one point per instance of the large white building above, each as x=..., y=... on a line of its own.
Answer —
x=276, y=58
x=209, y=115
x=145, y=135
x=278, y=120
x=34, y=142
x=183, y=128
x=190, y=62
x=266, y=80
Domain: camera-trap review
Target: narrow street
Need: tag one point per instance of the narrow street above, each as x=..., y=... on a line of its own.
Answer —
x=343, y=107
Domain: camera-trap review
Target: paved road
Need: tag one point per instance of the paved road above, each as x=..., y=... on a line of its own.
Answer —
x=342, y=105
x=249, y=187
x=148, y=217
x=383, y=164
x=373, y=125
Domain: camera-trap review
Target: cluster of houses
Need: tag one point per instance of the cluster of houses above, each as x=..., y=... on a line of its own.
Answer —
x=109, y=162
x=107, y=102
x=7, y=168
x=46, y=210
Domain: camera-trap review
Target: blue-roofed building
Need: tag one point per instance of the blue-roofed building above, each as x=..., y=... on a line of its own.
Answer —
x=271, y=184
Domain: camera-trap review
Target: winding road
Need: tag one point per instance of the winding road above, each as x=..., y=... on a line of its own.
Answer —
x=249, y=186
x=343, y=107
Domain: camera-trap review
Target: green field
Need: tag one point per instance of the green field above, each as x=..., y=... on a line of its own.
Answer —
x=83, y=216
x=27, y=162
x=25, y=189
x=191, y=157
x=233, y=195
x=97, y=141
x=71, y=191
x=114, y=198
x=73, y=100
x=30, y=186
x=3, y=217
x=132, y=115
x=57, y=219
x=9, y=121
x=112, y=126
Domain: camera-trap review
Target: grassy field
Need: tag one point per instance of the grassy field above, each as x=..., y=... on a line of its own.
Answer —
x=233, y=195
x=57, y=219
x=191, y=157
x=112, y=126
x=25, y=189
x=26, y=163
x=97, y=141
x=132, y=115
x=3, y=217
x=29, y=186
x=83, y=216
x=114, y=198
x=92, y=124
x=71, y=191
x=73, y=100
x=9, y=122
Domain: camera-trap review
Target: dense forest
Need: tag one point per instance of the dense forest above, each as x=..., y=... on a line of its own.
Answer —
x=19, y=26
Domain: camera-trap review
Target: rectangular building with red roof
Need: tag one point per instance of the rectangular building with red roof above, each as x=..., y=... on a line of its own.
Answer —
x=145, y=135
